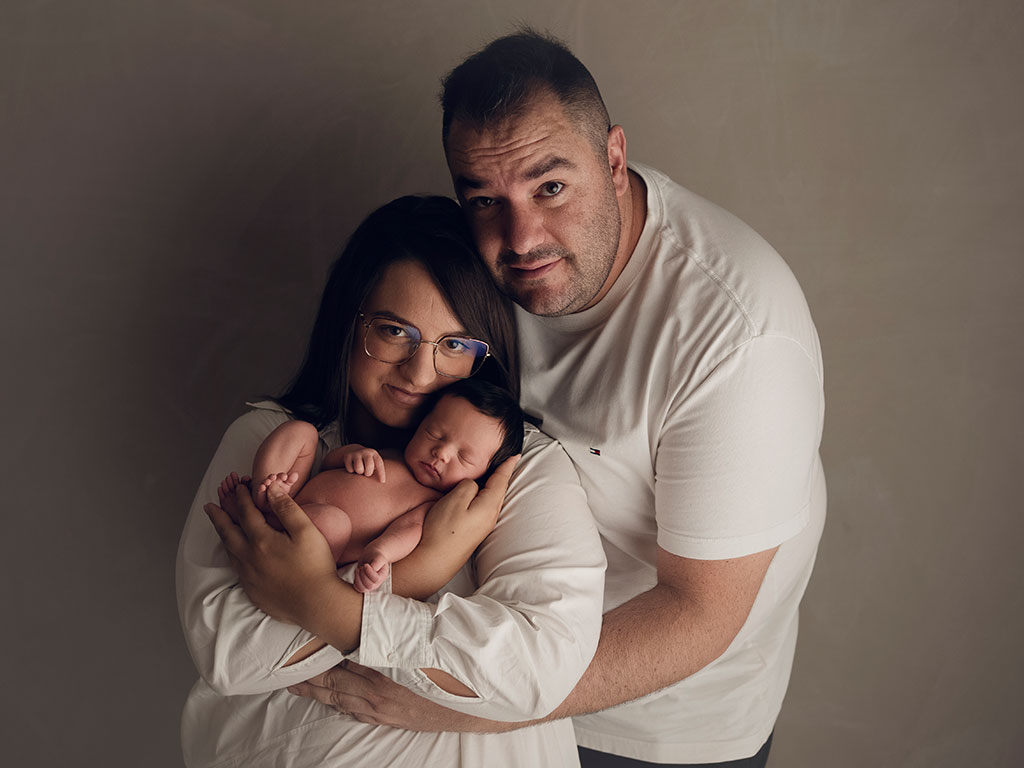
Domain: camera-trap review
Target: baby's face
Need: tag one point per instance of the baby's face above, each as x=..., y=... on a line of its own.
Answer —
x=454, y=442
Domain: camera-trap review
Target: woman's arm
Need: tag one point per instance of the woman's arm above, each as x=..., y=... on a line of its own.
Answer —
x=520, y=642
x=236, y=648
x=524, y=637
x=289, y=573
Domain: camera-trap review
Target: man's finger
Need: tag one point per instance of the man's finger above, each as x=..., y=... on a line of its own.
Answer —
x=324, y=695
x=358, y=669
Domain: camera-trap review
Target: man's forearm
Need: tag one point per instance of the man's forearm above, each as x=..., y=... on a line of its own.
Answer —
x=669, y=632
x=647, y=643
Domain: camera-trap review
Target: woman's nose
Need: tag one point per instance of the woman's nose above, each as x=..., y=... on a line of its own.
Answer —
x=419, y=369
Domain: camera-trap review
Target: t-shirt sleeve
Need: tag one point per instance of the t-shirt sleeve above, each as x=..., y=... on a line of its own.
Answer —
x=737, y=455
x=524, y=637
x=236, y=647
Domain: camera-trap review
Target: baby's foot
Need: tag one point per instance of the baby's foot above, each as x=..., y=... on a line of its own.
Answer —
x=226, y=494
x=286, y=480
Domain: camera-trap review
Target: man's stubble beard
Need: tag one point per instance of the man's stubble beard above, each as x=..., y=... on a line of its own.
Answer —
x=584, y=282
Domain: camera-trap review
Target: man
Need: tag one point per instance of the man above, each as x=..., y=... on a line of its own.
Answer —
x=671, y=352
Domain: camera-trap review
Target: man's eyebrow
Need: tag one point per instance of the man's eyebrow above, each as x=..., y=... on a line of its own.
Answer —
x=467, y=182
x=548, y=165
x=542, y=168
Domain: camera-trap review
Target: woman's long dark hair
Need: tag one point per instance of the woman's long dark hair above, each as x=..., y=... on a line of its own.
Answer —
x=432, y=232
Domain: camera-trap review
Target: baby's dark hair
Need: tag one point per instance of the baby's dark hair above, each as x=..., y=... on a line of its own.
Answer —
x=498, y=403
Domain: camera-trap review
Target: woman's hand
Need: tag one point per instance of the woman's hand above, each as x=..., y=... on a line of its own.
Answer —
x=452, y=530
x=287, y=574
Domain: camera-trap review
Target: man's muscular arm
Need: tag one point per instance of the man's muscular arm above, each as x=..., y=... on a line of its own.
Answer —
x=669, y=632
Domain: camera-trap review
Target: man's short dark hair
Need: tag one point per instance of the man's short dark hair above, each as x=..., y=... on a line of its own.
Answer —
x=500, y=81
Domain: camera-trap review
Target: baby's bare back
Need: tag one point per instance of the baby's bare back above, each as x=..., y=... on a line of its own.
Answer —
x=370, y=504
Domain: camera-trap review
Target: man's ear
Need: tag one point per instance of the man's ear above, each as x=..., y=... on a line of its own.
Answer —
x=617, y=159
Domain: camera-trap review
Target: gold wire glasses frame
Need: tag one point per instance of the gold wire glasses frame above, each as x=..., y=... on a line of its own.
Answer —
x=390, y=341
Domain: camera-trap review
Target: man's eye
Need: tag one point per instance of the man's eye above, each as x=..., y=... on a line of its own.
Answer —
x=551, y=188
x=481, y=202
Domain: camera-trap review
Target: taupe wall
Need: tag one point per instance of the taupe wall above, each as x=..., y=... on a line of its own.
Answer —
x=177, y=176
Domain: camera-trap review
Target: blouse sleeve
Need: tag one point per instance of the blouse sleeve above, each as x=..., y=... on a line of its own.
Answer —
x=236, y=647
x=525, y=636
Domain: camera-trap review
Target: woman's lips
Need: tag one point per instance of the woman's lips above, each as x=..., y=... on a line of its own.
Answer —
x=404, y=396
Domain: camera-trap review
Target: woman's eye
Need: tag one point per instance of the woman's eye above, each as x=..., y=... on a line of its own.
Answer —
x=551, y=188
x=452, y=344
x=392, y=331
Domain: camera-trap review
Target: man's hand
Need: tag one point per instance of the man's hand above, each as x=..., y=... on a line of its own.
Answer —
x=370, y=697
x=284, y=573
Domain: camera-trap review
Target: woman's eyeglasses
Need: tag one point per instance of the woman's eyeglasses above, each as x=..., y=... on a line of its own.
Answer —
x=387, y=340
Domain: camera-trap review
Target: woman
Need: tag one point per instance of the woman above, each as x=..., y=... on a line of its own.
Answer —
x=511, y=633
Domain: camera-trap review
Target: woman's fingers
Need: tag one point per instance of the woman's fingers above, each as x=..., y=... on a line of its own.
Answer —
x=292, y=517
x=234, y=539
x=492, y=496
x=249, y=516
x=498, y=482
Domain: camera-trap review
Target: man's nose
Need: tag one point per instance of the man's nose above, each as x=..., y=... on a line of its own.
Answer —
x=524, y=228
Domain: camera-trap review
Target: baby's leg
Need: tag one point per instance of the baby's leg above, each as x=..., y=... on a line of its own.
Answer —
x=286, y=455
x=333, y=522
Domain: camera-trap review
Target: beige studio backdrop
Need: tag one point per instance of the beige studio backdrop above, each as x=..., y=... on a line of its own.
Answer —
x=176, y=177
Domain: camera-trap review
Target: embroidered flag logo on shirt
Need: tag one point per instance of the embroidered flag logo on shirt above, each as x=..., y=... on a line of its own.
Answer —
x=596, y=451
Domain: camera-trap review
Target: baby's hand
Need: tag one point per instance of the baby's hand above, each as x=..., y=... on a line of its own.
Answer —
x=361, y=460
x=371, y=572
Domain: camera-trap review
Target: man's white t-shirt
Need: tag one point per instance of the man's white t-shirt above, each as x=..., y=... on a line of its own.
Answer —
x=690, y=401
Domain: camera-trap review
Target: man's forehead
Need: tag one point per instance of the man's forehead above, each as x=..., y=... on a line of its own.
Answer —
x=525, y=149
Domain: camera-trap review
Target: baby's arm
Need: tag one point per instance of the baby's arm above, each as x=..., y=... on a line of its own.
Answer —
x=398, y=540
x=357, y=459
x=286, y=455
